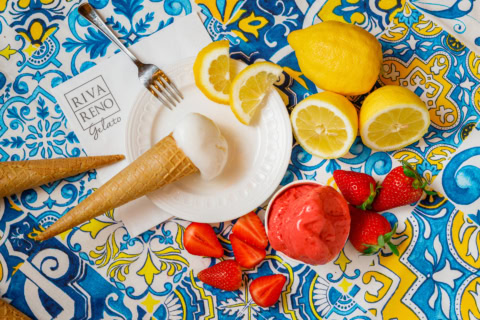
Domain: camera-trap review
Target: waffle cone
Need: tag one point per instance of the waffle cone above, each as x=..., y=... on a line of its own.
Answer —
x=9, y=312
x=16, y=176
x=164, y=163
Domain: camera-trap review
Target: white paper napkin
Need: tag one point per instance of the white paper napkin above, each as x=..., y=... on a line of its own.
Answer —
x=108, y=90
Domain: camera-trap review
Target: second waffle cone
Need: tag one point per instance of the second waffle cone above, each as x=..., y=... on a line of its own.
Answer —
x=162, y=164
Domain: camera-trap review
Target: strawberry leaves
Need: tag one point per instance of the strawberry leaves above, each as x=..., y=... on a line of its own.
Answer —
x=367, y=204
x=419, y=182
x=382, y=240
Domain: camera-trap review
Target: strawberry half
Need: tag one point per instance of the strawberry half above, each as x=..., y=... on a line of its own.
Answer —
x=357, y=188
x=200, y=239
x=250, y=229
x=402, y=186
x=225, y=275
x=246, y=255
x=266, y=290
x=370, y=231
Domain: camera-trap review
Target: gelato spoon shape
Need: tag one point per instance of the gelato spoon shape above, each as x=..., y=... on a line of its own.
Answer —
x=165, y=162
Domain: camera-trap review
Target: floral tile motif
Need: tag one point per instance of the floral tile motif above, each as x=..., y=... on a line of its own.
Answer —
x=459, y=18
x=62, y=286
x=444, y=73
x=458, y=179
x=440, y=262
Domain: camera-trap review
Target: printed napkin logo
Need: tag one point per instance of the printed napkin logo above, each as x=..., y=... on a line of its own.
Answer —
x=94, y=106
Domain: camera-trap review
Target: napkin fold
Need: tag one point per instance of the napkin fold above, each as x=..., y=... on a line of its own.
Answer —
x=97, y=104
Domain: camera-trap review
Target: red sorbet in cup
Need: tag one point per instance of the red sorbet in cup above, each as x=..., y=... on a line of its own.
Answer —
x=310, y=223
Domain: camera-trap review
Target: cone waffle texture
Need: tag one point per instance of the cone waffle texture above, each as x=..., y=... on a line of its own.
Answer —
x=16, y=176
x=9, y=312
x=164, y=163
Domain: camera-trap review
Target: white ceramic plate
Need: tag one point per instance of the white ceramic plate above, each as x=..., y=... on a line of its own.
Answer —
x=258, y=154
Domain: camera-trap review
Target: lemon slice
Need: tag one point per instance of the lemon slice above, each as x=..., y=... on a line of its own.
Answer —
x=325, y=124
x=392, y=117
x=211, y=71
x=249, y=88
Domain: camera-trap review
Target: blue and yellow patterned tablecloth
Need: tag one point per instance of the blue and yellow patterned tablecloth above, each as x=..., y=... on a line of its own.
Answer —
x=97, y=271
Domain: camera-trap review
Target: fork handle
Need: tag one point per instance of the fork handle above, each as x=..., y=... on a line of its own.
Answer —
x=89, y=13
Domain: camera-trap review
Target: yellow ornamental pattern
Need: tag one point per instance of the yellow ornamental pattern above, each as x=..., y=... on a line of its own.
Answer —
x=171, y=260
x=120, y=268
x=94, y=226
x=438, y=155
x=386, y=282
x=118, y=263
x=470, y=300
x=474, y=64
x=149, y=270
x=252, y=24
x=106, y=252
x=429, y=75
x=425, y=26
x=230, y=13
x=228, y=10
x=210, y=312
x=7, y=52
x=179, y=236
x=466, y=239
x=395, y=306
x=327, y=12
x=37, y=32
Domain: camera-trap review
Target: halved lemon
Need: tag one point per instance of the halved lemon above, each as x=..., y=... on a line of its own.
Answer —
x=392, y=117
x=325, y=124
x=211, y=71
x=249, y=88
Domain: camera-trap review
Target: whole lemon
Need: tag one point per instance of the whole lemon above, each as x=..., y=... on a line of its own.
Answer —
x=338, y=57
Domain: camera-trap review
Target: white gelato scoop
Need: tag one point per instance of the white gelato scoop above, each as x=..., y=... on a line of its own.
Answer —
x=202, y=142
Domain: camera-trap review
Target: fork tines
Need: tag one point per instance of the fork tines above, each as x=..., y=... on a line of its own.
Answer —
x=165, y=90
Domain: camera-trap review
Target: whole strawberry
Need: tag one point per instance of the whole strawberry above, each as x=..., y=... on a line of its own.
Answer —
x=403, y=185
x=225, y=275
x=370, y=231
x=357, y=188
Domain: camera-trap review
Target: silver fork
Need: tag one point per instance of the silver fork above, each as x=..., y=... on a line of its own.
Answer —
x=154, y=79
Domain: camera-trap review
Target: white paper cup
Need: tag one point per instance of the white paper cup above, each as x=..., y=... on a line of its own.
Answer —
x=274, y=197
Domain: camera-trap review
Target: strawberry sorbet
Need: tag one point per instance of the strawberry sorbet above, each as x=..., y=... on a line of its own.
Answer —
x=309, y=223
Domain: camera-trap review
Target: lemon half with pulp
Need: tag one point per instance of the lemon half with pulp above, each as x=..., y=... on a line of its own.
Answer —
x=392, y=117
x=325, y=124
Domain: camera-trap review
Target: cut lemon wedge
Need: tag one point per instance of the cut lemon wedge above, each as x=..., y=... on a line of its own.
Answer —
x=249, y=88
x=325, y=124
x=211, y=71
x=392, y=117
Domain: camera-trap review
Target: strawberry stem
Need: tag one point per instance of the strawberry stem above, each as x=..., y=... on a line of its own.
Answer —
x=381, y=242
x=367, y=204
x=419, y=182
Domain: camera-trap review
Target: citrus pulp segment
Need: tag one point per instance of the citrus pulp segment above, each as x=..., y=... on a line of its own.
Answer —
x=249, y=88
x=211, y=71
x=392, y=117
x=325, y=124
